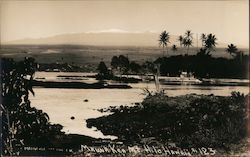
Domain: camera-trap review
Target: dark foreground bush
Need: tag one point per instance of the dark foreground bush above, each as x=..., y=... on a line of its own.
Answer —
x=189, y=121
x=21, y=124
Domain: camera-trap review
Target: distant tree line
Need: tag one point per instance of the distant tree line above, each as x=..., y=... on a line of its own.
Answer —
x=203, y=64
x=119, y=64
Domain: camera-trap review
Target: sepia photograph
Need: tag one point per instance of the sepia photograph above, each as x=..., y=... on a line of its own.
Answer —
x=124, y=78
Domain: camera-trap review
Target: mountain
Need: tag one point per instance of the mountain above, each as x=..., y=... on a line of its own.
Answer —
x=98, y=38
x=104, y=38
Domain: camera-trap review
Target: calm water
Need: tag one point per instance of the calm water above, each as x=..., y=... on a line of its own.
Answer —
x=61, y=104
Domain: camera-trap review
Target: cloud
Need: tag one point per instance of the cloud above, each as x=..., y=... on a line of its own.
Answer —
x=115, y=30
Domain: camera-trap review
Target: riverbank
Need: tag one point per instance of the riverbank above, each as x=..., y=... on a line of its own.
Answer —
x=90, y=78
x=77, y=85
x=188, y=121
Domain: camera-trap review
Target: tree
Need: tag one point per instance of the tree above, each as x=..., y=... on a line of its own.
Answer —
x=120, y=63
x=180, y=39
x=164, y=40
x=102, y=68
x=188, y=34
x=210, y=42
x=187, y=43
x=133, y=66
x=188, y=39
x=149, y=67
x=203, y=39
x=232, y=50
x=22, y=124
x=115, y=62
x=123, y=63
x=174, y=48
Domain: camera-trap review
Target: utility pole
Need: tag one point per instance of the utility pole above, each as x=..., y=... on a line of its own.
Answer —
x=128, y=65
x=157, y=83
x=197, y=40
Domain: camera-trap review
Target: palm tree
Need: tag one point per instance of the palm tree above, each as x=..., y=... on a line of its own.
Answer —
x=180, y=39
x=188, y=34
x=174, y=48
x=164, y=40
x=188, y=39
x=232, y=50
x=210, y=42
x=203, y=39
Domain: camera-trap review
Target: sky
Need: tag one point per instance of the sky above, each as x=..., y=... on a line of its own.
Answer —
x=227, y=19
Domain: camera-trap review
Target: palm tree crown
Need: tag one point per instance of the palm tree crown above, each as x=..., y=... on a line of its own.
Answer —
x=174, y=48
x=210, y=42
x=180, y=39
x=232, y=50
x=188, y=34
x=188, y=39
x=203, y=38
x=164, y=40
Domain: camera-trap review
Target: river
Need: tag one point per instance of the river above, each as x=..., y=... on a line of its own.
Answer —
x=61, y=104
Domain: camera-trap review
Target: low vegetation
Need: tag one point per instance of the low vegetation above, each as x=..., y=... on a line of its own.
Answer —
x=188, y=121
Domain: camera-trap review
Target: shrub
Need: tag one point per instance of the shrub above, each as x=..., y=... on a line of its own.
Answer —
x=189, y=121
x=21, y=123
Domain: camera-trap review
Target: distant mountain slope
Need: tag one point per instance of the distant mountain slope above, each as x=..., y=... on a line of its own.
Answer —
x=103, y=38
x=107, y=38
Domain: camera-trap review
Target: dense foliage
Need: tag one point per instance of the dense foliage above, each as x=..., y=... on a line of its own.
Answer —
x=203, y=65
x=189, y=121
x=104, y=72
x=22, y=124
